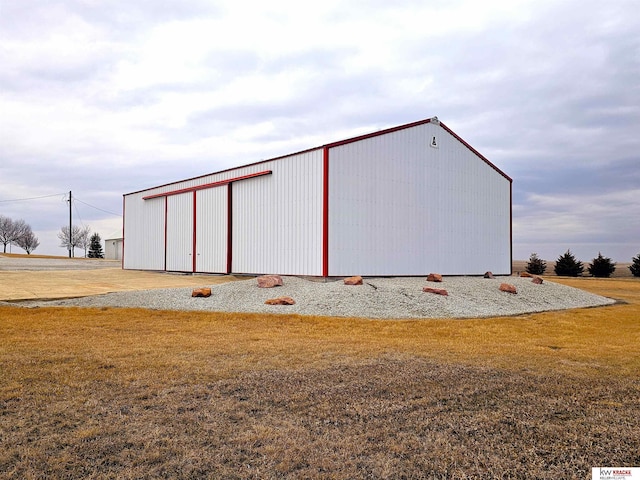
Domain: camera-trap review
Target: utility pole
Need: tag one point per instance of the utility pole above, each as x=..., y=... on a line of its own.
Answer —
x=70, y=224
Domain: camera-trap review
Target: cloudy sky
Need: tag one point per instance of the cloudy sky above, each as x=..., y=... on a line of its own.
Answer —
x=106, y=97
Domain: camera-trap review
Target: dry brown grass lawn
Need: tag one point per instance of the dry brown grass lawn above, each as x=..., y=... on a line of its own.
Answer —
x=110, y=393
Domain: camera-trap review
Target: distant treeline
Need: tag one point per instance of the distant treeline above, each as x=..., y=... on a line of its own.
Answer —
x=568, y=266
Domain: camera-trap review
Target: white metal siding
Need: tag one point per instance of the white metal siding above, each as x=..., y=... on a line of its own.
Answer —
x=277, y=219
x=211, y=230
x=180, y=232
x=113, y=248
x=144, y=233
x=400, y=207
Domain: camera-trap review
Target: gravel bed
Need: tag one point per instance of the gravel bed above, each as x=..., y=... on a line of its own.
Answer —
x=376, y=298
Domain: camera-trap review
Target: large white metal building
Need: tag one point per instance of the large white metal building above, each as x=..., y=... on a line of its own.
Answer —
x=407, y=200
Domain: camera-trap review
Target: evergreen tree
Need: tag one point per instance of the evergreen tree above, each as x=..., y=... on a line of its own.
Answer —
x=95, y=246
x=536, y=266
x=568, y=266
x=635, y=266
x=601, y=266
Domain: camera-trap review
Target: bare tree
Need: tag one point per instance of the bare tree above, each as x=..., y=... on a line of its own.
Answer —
x=69, y=240
x=11, y=230
x=28, y=242
x=6, y=229
x=84, y=240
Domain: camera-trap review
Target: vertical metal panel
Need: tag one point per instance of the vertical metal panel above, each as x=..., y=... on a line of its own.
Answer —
x=401, y=207
x=211, y=230
x=180, y=232
x=277, y=219
x=143, y=233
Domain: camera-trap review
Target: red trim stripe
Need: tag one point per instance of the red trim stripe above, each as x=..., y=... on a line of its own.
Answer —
x=166, y=219
x=229, y=227
x=208, y=185
x=194, y=233
x=123, y=217
x=325, y=212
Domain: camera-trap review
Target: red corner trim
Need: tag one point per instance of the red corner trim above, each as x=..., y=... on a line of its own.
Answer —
x=166, y=219
x=195, y=207
x=325, y=212
x=123, y=217
x=511, y=226
x=229, y=227
x=208, y=185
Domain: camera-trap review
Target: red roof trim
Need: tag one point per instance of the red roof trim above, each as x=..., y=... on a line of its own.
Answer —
x=225, y=170
x=455, y=135
x=331, y=145
x=208, y=185
x=378, y=133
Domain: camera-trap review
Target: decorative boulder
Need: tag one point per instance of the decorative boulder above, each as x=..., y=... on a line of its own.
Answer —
x=488, y=275
x=507, y=287
x=357, y=280
x=537, y=280
x=280, y=301
x=269, y=281
x=201, y=292
x=434, y=277
x=437, y=291
x=525, y=274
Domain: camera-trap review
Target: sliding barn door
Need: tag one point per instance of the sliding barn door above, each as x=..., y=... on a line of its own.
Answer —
x=179, y=249
x=211, y=230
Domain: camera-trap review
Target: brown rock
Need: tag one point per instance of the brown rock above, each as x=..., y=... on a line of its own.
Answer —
x=201, y=292
x=537, y=280
x=357, y=280
x=434, y=277
x=280, y=301
x=507, y=287
x=269, y=281
x=437, y=291
x=488, y=275
x=526, y=275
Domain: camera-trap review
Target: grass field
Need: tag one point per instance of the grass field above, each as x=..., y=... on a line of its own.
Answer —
x=111, y=393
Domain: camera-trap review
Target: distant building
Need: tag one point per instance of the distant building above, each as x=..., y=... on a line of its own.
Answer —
x=407, y=200
x=113, y=248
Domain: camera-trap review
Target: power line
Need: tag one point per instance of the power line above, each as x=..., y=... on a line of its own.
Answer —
x=78, y=213
x=97, y=208
x=57, y=195
x=32, y=198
